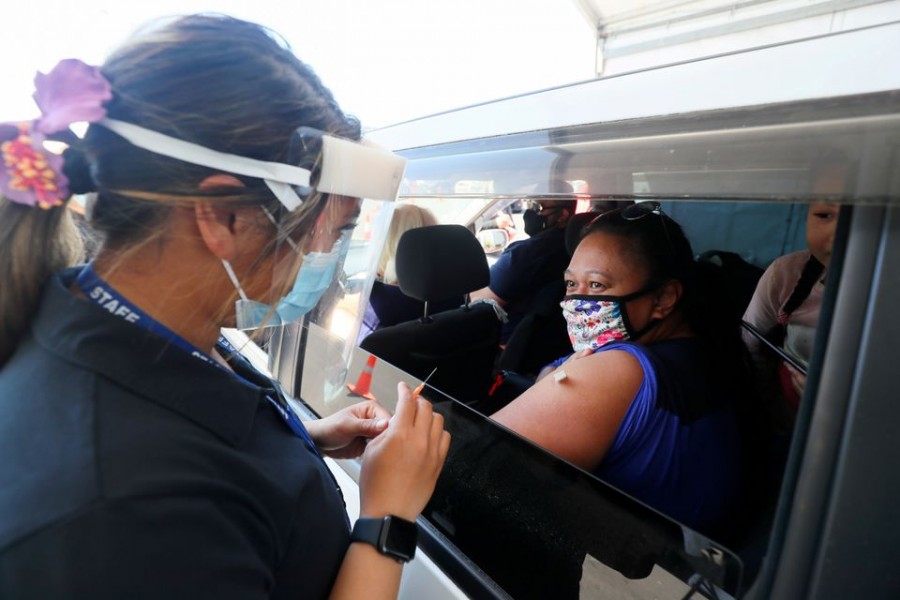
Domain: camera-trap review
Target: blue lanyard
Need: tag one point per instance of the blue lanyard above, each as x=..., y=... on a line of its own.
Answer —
x=103, y=295
x=280, y=404
x=100, y=293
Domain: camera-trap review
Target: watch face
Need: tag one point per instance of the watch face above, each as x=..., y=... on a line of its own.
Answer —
x=400, y=539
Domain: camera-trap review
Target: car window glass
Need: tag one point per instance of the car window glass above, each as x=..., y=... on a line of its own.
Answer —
x=742, y=189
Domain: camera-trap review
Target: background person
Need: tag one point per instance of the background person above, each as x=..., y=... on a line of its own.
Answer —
x=786, y=304
x=142, y=457
x=526, y=267
x=405, y=217
x=788, y=299
x=388, y=305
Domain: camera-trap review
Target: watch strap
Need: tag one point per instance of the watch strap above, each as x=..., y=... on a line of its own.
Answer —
x=368, y=531
x=390, y=535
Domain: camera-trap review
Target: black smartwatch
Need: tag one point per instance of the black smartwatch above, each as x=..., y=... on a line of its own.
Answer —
x=391, y=535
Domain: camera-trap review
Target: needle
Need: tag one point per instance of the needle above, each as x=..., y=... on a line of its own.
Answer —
x=421, y=386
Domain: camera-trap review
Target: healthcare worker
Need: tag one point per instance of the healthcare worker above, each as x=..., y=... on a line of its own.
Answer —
x=139, y=456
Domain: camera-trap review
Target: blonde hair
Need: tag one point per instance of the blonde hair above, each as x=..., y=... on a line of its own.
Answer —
x=213, y=80
x=406, y=217
x=35, y=244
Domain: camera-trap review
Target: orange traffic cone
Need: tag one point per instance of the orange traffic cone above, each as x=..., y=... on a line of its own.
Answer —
x=365, y=381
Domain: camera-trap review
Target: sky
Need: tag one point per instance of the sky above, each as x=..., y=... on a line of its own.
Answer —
x=386, y=61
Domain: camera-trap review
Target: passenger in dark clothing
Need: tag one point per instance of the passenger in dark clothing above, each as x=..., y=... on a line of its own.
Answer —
x=526, y=267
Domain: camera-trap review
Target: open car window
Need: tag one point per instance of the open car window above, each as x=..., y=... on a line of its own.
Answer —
x=740, y=183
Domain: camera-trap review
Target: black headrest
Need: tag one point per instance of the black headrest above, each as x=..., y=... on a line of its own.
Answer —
x=573, y=229
x=441, y=261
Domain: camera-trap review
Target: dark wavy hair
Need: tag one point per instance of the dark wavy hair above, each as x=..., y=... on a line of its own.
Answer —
x=658, y=242
x=214, y=80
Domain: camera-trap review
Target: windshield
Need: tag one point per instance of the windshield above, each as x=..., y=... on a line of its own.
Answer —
x=462, y=211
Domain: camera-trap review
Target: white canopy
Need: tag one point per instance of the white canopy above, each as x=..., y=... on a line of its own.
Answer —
x=633, y=35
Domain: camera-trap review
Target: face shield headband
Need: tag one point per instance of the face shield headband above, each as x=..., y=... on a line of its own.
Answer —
x=347, y=168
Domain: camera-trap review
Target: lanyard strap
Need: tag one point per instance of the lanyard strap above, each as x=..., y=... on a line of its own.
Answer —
x=277, y=400
x=105, y=296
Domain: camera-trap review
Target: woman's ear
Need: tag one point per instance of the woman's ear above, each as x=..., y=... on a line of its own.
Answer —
x=218, y=224
x=666, y=298
x=217, y=228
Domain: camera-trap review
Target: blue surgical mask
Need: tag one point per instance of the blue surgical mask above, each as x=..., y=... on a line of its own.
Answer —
x=313, y=279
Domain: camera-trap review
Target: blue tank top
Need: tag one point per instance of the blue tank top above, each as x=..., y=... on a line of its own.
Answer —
x=678, y=447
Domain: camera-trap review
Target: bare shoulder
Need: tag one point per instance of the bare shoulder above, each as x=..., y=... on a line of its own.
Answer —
x=610, y=374
x=611, y=368
x=576, y=410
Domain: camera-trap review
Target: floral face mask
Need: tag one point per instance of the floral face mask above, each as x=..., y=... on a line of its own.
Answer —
x=596, y=320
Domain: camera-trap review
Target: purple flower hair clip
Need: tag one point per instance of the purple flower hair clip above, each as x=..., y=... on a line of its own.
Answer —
x=72, y=91
x=31, y=175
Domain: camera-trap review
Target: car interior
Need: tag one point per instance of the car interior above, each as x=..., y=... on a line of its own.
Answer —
x=508, y=518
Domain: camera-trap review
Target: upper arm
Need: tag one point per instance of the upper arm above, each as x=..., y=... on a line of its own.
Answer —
x=509, y=275
x=578, y=417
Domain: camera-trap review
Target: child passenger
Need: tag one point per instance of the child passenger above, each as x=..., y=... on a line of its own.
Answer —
x=788, y=297
x=649, y=401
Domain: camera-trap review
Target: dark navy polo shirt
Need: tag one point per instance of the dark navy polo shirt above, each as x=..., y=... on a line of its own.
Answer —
x=524, y=269
x=130, y=469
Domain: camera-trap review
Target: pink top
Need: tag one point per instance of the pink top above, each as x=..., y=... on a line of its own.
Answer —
x=771, y=293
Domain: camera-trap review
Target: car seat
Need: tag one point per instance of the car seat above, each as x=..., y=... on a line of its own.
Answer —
x=737, y=277
x=433, y=264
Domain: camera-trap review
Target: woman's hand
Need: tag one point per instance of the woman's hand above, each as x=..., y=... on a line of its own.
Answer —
x=345, y=433
x=401, y=466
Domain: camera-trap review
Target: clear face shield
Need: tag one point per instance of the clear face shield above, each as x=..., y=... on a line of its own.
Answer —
x=303, y=269
x=354, y=184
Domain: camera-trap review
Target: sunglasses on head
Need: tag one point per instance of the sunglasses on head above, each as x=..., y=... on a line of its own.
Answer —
x=639, y=210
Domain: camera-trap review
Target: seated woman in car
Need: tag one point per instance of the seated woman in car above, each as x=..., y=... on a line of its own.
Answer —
x=388, y=305
x=648, y=401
